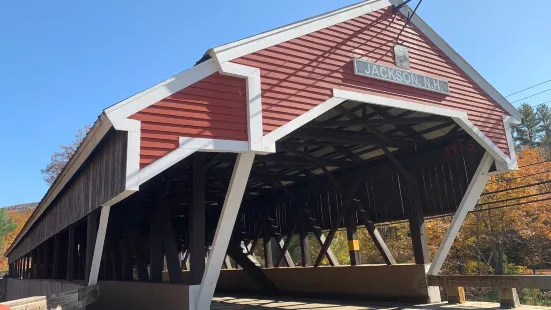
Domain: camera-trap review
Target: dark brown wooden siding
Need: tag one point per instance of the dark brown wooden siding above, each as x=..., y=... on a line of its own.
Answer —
x=18, y=288
x=299, y=74
x=214, y=107
x=100, y=179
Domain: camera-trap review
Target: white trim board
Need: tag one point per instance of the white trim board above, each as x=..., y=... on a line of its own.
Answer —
x=124, y=109
x=458, y=60
x=254, y=100
x=270, y=38
x=187, y=147
x=340, y=96
x=228, y=52
x=460, y=117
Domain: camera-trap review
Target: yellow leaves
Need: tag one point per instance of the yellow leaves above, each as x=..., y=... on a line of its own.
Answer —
x=19, y=218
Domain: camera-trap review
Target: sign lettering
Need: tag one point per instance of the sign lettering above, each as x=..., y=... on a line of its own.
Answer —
x=399, y=76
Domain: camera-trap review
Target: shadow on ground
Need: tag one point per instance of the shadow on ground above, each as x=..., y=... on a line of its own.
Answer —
x=234, y=303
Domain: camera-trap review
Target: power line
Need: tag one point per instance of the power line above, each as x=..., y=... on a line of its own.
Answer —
x=520, y=177
x=514, y=188
x=520, y=91
x=541, y=92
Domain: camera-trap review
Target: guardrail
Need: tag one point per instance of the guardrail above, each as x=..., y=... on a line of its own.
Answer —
x=69, y=300
x=507, y=286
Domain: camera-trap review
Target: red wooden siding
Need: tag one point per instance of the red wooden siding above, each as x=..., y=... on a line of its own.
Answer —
x=214, y=107
x=299, y=74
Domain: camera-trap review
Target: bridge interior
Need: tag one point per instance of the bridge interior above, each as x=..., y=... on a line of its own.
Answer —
x=356, y=165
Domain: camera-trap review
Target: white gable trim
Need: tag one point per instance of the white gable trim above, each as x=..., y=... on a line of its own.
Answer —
x=340, y=96
x=122, y=110
x=254, y=100
x=460, y=117
x=264, y=40
x=458, y=60
x=187, y=147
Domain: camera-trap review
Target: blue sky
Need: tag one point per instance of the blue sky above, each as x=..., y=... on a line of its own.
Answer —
x=62, y=62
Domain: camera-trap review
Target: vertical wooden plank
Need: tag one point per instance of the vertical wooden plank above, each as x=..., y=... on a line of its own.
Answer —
x=45, y=261
x=417, y=220
x=267, y=242
x=91, y=234
x=127, y=255
x=155, y=246
x=197, y=219
x=71, y=253
x=304, y=243
x=352, y=236
x=56, y=263
x=169, y=240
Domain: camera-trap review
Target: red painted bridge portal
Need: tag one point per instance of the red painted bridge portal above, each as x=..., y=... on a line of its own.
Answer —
x=265, y=142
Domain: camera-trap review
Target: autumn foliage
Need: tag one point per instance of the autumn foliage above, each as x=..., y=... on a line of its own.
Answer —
x=19, y=218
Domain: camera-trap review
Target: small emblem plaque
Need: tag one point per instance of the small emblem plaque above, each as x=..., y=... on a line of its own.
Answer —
x=401, y=57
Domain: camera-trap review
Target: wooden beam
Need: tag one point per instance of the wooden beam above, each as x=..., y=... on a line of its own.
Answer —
x=372, y=229
x=71, y=253
x=378, y=121
x=155, y=245
x=352, y=236
x=404, y=128
x=267, y=243
x=197, y=219
x=304, y=244
x=417, y=221
x=498, y=281
x=467, y=204
x=91, y=234
x=99, y=244
x=346, y=137
x=169, y=241
x=127, y=252
x=348, y=198
x=46, y=260
x=242, y=258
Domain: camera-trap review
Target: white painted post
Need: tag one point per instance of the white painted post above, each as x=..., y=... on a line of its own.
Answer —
x=98, y=248
x=234, y=196
x=467, y=204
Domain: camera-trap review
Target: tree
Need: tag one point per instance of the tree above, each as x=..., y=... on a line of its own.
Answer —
x=18, y=219
x=61, y=158
x=528, y=132
x=543, y=115
x=6, y=225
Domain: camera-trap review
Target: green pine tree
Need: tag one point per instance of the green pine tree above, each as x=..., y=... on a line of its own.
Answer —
x=529, y=131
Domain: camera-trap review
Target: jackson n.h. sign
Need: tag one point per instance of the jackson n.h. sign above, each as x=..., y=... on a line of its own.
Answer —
x=399, y=76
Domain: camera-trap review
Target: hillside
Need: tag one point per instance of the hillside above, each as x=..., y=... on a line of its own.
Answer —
x=22, y=207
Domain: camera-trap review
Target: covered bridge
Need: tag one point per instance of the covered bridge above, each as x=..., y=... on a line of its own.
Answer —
x=347, y=119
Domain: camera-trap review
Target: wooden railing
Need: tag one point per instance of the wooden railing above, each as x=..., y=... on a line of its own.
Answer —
x=69, y=300
x=506, y=284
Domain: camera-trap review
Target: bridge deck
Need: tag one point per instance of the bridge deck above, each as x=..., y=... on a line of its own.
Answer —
x=251, y=303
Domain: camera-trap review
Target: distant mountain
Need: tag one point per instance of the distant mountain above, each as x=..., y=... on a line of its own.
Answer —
x=22, y=207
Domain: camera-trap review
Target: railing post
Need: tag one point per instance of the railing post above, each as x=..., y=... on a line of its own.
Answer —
x=508, y=298
x=456, y=294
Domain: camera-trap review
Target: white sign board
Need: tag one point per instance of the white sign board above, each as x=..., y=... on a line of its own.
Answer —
x=399, y=76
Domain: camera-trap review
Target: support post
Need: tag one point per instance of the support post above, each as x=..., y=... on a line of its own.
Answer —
x=91, y=234
x=71, y=253
x=456, y=294
x=304, y=244
x=267, y=242
x=98, y=246
x=127, y=255
x=467, y=204
x=352, y=236
x=508, y=298
x=56, y=263
x=197, y=220
x=232, y=202
x=46, y=260
x=155, y=246
x=417, y=221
